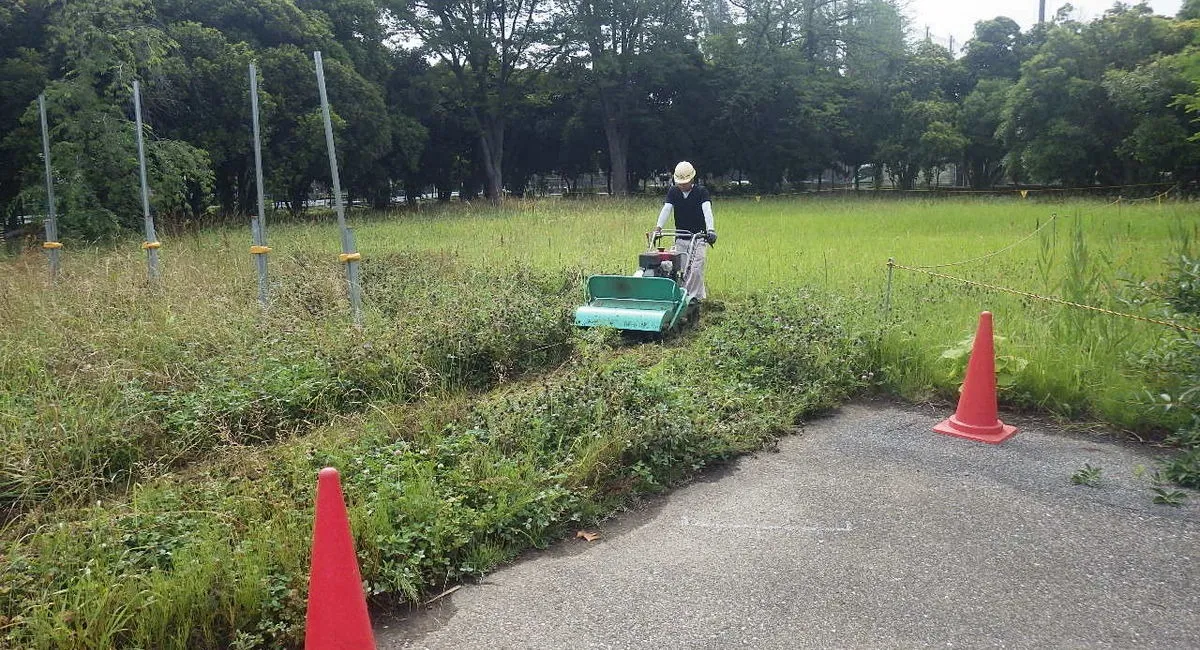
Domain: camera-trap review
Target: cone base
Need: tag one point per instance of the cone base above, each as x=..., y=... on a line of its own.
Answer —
x=991, y=435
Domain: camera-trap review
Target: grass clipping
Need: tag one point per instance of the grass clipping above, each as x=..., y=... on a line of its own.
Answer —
x=439, y=491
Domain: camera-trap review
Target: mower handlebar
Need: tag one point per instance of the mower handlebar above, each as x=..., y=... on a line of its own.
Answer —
x=653, y=237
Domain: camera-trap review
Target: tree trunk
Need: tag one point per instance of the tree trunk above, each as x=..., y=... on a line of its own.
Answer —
x=299, y=194
x=247, y=191
x=381, y=198
x=618, y=151
x=227, y=190
x=491, y=139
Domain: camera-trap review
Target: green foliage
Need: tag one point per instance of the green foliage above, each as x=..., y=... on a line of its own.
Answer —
x=438, y=491
x=1095, y=103
x=1087, y=475
x=107, y=44
x=1051, y=120
x=926, y=135
x=995, y=50
x=980, y=118
x=145, y=410
x=791, y=89
x=1168, y=497
x=1174, y=368
x=1008, y=367
x=200, y=436
x=1182, y=286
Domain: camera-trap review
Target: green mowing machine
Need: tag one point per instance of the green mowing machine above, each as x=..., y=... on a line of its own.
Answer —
x=653, y=299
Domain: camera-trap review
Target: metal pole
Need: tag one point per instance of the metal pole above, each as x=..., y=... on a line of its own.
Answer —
x=349, y=255
x=887, y=296
x=258, y=225
x=52, y=245
x=151, y=245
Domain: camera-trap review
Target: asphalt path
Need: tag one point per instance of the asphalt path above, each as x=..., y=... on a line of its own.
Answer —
x=865, y=530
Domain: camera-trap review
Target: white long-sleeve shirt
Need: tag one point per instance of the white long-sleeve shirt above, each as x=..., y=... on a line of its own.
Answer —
x=667, y=209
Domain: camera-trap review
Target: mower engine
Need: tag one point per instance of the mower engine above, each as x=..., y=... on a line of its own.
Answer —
x=660, y=263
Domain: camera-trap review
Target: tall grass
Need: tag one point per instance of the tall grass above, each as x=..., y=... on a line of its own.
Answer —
x=1080, y=364
x=443, y=489
x=108, y=381
x=105, y=380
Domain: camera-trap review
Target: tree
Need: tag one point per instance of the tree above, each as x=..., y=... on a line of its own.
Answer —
x=992, y=64
x=1189, y=10
x=450, y=153
x=409, y=99
x=538, y=131
x=777, y=87
x=1159, y=138
x=874, y=58
x=485, y=43
x=1090, y=106
x=106, y=44
x=1126, y=36
x=1051, y=119
x=981, y=115
x=925, y=136
x=207, y=104
x=994, y=52
x=627, y=43
x=24, y=72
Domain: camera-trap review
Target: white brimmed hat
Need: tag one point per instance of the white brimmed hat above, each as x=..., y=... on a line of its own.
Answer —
x=684, y=172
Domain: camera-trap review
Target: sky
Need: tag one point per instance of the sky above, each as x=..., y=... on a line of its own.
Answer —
x=957, y=18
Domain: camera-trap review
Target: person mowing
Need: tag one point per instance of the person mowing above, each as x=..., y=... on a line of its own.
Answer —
x=693, y=212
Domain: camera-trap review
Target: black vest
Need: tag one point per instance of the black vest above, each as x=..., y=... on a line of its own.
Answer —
x=688, y=215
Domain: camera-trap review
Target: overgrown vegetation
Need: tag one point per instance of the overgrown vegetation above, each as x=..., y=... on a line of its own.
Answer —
x=147, y=384
x=1175, y=367
x=439, y=490
x=161, y=444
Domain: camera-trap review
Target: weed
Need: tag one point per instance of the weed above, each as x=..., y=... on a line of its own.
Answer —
x=1174, y=369
x=1168, y=497
x=1087, y=475
x=133, y=407
x=1008, y=367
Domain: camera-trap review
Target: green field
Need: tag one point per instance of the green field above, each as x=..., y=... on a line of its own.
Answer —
x=159, y=444
x=71, y=354
x=1094, y=252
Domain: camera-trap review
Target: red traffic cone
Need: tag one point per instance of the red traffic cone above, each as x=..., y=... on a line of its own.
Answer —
x=337, y=616
x=976, y=415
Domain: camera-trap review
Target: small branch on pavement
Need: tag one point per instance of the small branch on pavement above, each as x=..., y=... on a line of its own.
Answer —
x=441, y=595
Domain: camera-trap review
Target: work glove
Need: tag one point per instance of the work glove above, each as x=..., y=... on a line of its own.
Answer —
x=711, y=237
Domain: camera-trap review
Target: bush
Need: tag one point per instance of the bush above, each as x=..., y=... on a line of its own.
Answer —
x=1174, y=370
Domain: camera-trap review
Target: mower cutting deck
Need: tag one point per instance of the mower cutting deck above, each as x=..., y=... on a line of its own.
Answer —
x=632, y=303
x=653, y=300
